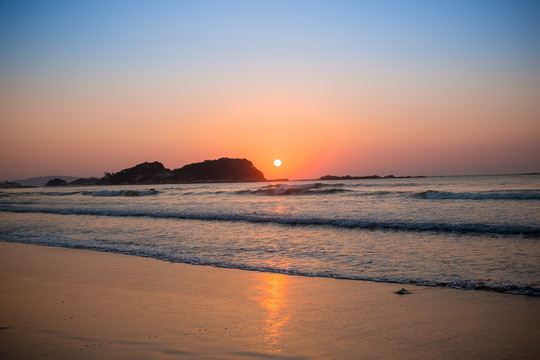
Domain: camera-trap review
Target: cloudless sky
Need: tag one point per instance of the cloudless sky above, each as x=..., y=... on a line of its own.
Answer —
x=329, y=87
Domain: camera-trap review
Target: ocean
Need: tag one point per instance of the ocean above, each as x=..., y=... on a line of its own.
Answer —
x=467, y=232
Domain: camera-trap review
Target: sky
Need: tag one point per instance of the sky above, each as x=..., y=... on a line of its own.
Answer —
x=329, y=87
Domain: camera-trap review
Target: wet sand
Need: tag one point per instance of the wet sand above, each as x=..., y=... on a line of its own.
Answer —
x=61, y=303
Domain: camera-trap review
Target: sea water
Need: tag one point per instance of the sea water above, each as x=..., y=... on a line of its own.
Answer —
x=470, y=232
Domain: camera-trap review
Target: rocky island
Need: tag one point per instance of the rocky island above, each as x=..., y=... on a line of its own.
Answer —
x=220, y=170
x=56, y=182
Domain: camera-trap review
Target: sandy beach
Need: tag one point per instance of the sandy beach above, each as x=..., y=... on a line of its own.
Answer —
x=63, y=304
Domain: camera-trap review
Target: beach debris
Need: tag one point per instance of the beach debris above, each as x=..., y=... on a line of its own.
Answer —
x=403, y=292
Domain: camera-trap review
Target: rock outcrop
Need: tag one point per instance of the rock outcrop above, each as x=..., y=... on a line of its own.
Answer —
x=145, y=173
x=56, y=182
x=221, y=170
x=84, y=181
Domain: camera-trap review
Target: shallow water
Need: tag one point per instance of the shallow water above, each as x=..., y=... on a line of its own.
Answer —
x=477, y=232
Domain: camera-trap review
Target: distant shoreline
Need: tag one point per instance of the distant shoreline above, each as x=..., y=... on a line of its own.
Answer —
x=370, y=177
x=16, y=184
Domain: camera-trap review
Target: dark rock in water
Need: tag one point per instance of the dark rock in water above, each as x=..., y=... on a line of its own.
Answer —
x=56, y=182
x=403, y=292
x=84, y=181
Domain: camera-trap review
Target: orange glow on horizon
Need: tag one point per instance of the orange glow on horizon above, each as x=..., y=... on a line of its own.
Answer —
x=261, y=81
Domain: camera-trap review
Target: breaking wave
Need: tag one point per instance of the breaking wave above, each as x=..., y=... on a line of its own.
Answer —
x=324, y=189
x=181, y=257
x=304, y=189
x=61, y=193
x=105, y=193
x=481, y=195
x=472, y=228
x=317, y=189
x=121, y=192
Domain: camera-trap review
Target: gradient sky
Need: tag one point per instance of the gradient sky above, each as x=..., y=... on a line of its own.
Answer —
x=330, y=87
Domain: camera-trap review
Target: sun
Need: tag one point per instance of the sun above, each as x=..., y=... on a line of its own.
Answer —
x=277, y=162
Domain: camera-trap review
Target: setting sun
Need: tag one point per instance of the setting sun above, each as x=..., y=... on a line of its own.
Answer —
x=277, y=162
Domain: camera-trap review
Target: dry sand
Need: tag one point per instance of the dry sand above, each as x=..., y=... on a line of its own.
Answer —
x=74, y=304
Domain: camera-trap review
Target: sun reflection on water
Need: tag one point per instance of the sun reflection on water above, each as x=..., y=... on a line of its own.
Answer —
x=273, y=300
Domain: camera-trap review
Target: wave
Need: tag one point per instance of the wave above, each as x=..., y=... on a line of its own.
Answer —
x=180, y=257
x=61, y=193
x=105, y=193
x=333, y=188
x=462, y=228
x=324, y=189
x=304, y=189
x=481, y=195
x=121, y=192
x=355, y=190
x=269, y=190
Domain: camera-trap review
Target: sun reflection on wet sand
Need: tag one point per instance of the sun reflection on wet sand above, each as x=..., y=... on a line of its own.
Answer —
x=273, y=300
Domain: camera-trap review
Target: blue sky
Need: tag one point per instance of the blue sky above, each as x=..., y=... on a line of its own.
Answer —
x=119, y=32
